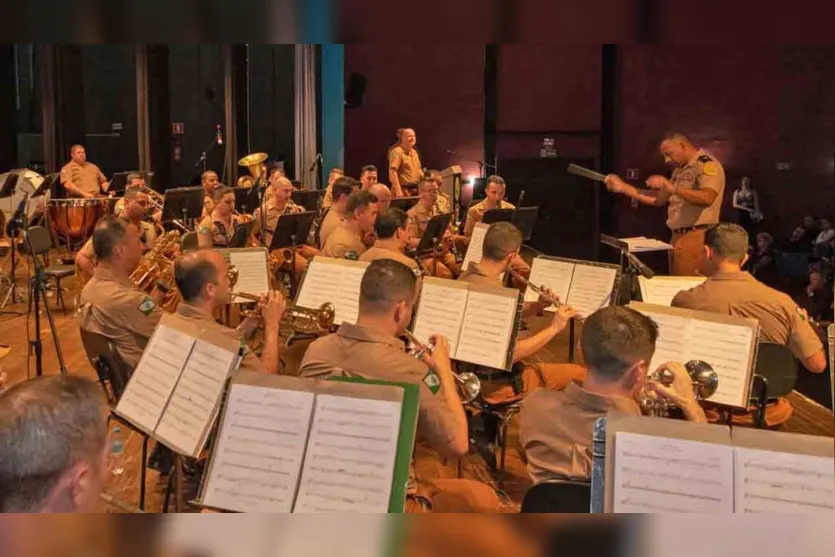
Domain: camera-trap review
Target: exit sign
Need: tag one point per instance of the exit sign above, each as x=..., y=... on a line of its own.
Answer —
x=177, y=128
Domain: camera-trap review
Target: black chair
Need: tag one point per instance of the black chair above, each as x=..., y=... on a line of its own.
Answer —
x=188, y=242
x=41, y=242
x=557, y=497
x=775, y=375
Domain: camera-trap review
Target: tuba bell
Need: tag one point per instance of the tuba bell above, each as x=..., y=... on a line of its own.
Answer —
x=253, y=162
x=703, y=377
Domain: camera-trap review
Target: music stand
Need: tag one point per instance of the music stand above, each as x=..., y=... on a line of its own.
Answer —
x=241, y=235
x=431, y=239
x=7, y=190
x=524, y=218
x=309, y=199
x=498, y=215
x=254, y=199
x=288, y=229
x=405, y=203
x=183, y=204
x=241, y=200
x=119, y=182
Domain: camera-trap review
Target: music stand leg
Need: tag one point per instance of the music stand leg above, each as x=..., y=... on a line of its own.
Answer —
x=143, y=471
x=571, y=341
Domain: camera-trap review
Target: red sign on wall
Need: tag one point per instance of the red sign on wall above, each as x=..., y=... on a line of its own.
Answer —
x=177, y=128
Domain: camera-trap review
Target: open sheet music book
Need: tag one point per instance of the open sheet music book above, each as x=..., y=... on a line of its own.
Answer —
x=287, y=444
x=253, y=270
x=660, y=290
x=728, y=343
x=175, y=391
x=584, y=285
x=661, y=466
x=336, y=281
x=480, y=322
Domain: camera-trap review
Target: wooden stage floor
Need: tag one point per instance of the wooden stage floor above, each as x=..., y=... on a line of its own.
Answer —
x=809, y=417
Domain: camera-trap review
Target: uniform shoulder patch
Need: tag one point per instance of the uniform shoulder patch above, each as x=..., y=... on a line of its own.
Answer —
x=705, y=159
x=352, y=255
x=432, y=382
x=204, y=230
x=147, y=306
x=711, y=169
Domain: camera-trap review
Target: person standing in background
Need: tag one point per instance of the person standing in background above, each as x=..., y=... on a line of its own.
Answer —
x=405, y=170
x=747, y=205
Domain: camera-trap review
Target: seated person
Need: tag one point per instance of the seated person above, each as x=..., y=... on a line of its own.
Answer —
x=392, y=238
x=817, y=299
x=329, y=198
x=202, y=277
x=763, y=264
x=556, y=427
x=217, y=229
x=346, y=241
x=53, y=442
x=335, y=215
x=383, y=195
x=444, y=265
x=111, y=304
x=372, y=349
x=209, y=182
x=501, y=246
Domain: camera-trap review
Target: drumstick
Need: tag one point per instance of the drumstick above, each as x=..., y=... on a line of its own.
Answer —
x=578, y=170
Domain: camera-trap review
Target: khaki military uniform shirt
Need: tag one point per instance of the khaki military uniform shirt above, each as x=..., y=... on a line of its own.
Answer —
x=274, y=212
x=87, y=177
x=216, y=233
x=556, y=427
x=374, y=253
x=703, y=172
x=196, y=316
x=474, y=275
x=333, y=220
x=114, y=307
x=327, y=199
x=419, y=217
x=344, y=243
x=475, y=214
x=147, y=235
x=356, y=351
x=407, y=166
x=741, y=294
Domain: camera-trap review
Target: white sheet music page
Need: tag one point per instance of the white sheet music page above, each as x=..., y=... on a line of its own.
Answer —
x=475, y=246
x=555, y=275
x=727, y=348
x=194, y=402
x=777, y=482
x=258, y=458
x=327, y=280
x=349, y=465
x=591, y=288
x=660, y=290
x=155, y=376
x=253, y=273
x=664, y=475
x=489, y=320
x=671, y=345
x=440, y=311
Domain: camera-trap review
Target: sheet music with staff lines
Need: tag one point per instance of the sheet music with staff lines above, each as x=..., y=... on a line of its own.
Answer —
x=260, y=449
x=553, y=274
x=591, y=288
x=253, y=272
x=485, y=339
x=441, y=311
x=474, y=248
x=333, y=281
x=660, y=290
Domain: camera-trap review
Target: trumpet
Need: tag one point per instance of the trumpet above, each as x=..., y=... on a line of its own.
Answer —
x=704, y=379
x=540, y=291
x=469, y=385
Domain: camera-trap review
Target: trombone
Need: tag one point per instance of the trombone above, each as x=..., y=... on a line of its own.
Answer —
x=540, y=291
x=156, y=200
x=469, y=385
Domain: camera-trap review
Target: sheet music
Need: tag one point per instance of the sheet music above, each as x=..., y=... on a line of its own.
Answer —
x=441, y=311
x=253, y=273
x=258, y=459
x=555, y=275
x=485, y=338
x=727, y=348
x=327, y=281
x=349, y=465
x=660, y=290
x=193, y=403
x=475, y=246
x=777, y=482
x=591, y=288
x=640, y=244
x=671, y=345
x=663, y=475
x=155, y=376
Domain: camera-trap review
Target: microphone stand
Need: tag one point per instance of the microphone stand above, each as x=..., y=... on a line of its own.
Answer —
x=15, y=225
x=201, y=162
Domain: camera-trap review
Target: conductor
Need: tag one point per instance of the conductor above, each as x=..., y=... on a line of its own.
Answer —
x=693, y=195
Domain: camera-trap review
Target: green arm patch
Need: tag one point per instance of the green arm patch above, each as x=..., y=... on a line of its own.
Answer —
x=432, y=382
x=147, y=306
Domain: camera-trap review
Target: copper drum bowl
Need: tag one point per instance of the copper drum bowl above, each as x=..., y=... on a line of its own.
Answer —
x=73, y=220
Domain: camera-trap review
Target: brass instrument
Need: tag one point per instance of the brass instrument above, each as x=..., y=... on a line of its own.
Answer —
x=158, y=265
x=705, y=382
x=298, y=319
x=253, y=162
x=540, y=291
x=156, y=200
x=469, y=385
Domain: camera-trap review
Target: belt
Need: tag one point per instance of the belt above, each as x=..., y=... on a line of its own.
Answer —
x=687, y=229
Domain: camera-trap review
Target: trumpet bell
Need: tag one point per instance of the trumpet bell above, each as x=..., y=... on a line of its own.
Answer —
x=253, y=163
x=469, y=386
x=705, y=379
x=327, y=314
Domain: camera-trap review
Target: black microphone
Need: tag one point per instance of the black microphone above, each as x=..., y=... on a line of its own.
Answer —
x=315, y=162
x=521, y=197
x=640, y=265
x=219, y=136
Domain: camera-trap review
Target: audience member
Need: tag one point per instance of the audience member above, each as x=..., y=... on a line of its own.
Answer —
x=762, y=263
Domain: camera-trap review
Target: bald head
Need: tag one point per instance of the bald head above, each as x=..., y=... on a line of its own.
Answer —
x=383, y=195
x=201, y=277
x=282, y=190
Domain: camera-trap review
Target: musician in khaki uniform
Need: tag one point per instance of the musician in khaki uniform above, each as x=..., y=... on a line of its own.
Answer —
x=405, y=170
x=202, y=279
x=383, y=195
x=555, y=427
x=111, y=304
x=81, y=178
x=279, y=203
x=346, y=241
x=501, y=245
x=210, y=183
x=371, y=349
x=135, y=209
x=392, y=238
x=693, y=194
x=217, y=229
x=445, y=265
x=335, y=216
x=334, y=175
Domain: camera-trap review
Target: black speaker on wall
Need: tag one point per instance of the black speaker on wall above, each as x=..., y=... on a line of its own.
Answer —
x=355, y=90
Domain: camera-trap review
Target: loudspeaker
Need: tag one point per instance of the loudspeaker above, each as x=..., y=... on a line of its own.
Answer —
x=355, y=91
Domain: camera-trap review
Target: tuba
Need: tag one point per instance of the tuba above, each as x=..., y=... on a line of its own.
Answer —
x=705, y=382
x=156, y=269
x=469, y=385
x=253, y=163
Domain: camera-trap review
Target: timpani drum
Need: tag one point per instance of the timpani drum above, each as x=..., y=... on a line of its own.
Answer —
x=73, y=220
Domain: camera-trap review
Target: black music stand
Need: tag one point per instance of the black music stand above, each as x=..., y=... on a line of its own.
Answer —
x=524, y=218
x=254, y=199
x=309, y=199
x=7, y=190
x=431, y=239
x=630, y=288
x=241, y=235
x=119, y=183
x=242, y=200
x=288, y=229
x=498, y=215
x=183, y=203
x=405, y=203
